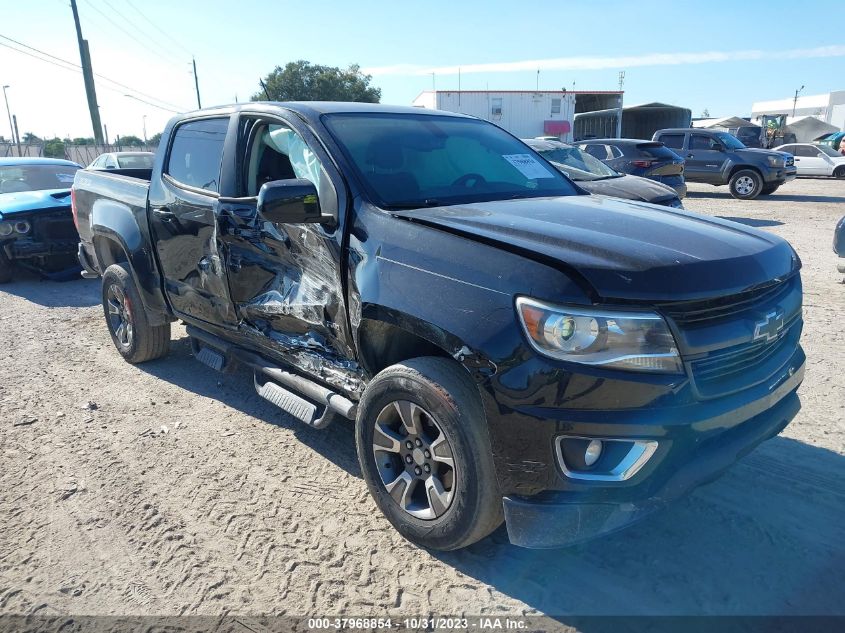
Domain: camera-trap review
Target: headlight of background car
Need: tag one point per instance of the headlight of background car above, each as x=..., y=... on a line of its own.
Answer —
x=638, y=341
x=776, y=161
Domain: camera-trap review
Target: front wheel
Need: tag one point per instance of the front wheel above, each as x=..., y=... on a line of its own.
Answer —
x=769, y=189
x=133, y=336
x=746, y=184
x=423, y=446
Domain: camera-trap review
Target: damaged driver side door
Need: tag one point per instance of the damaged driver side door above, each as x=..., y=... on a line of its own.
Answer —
x=285, y=280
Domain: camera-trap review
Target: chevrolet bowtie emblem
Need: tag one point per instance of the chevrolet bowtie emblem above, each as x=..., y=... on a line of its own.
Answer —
x=770, y=327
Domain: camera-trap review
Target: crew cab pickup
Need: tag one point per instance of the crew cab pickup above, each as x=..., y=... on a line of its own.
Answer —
x=718, y=158
x=508, y=347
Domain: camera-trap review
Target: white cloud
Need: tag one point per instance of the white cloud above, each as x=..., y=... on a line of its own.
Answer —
x=598, y=63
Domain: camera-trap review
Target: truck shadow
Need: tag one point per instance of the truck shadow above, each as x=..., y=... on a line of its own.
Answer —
x=236, y=390
x=79, y=293
x=766, y=538
x=755, y=222
x=775, y=197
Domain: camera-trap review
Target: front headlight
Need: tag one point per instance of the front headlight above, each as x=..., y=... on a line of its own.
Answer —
x=776, y=161
x=637, y=341
x=6, y=229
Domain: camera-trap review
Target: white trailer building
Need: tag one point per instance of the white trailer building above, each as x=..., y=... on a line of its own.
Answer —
x=828, y=107
x=523, y=113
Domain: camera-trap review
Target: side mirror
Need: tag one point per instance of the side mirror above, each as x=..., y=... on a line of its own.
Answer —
x=291, y=201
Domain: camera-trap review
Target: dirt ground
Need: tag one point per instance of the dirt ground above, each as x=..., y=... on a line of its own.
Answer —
x=170, y=489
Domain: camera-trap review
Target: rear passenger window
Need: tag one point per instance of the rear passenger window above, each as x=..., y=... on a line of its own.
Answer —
x=614, y=152
x=699, y=141
x=196, y=153
x=672, y=140
x=599, y=151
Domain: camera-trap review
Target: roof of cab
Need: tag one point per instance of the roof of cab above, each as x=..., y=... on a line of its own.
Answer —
x=313, y=109
x=15, y=160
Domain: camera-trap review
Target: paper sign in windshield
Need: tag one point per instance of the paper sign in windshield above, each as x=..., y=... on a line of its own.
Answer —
x=528, y=165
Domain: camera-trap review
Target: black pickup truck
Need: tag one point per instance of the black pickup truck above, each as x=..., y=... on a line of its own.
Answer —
x=507, y=346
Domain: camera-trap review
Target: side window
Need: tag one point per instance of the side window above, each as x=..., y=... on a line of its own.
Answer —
x=196, y=153
x=789, y=149
x=805, y=151
x=675, y=141
x=701, y=141
x=278, y=153
x=598, y=151
x=555, y=106
x=614, y=152
x=496, y=106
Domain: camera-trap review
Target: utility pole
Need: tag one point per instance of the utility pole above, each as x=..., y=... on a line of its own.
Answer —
x=106, y=132
x=196, y=82
x=17, y=134
x=795, y=100
x=88, y=77
x=9, y=112
x=144, y=121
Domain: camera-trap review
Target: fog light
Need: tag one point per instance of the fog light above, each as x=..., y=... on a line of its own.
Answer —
x=593, y=452
x=22, y=227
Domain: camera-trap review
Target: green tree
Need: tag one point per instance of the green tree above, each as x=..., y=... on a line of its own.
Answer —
x=80, y=140
x=303, y=81
x=54, y=148
x=131, y=141
x=29, y=137
x=155, y=139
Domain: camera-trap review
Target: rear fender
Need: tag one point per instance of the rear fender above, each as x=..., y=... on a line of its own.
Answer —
x=118, y=237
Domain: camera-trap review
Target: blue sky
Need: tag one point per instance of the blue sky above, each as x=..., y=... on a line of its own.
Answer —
x=771, y=48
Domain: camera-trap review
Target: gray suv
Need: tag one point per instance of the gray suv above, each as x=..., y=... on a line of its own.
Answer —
x=718, y=158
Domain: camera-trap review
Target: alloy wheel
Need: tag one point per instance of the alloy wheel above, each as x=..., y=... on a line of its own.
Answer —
x=120, y=315
x=745, y=185
x=414, y=460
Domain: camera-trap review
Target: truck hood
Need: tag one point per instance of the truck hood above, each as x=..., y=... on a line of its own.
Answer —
x=12, y=204
x=624, y=250
x=757, y=152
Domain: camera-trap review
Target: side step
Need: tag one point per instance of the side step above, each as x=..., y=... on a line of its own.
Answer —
x=294, y=405
x=304, y=399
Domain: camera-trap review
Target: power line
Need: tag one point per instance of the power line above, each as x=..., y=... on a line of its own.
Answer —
x=127, y=32
x=134, y=23
x=77, y=68
x=168, y=38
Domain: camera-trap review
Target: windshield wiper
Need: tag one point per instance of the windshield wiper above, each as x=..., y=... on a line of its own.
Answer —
x=415, y=204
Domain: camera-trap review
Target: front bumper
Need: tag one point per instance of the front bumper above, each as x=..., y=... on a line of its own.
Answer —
x=780, y=176
x=690, y=452
x=26, y=248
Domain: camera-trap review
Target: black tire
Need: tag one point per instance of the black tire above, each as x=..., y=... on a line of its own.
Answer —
x=140, y=342
x=769, y=190
x=839, y=172
x=6, y=267
x=746, y=184
x=446, y=394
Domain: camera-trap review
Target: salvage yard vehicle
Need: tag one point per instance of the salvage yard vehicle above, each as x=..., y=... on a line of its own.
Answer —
x=36, y=227
x=718, y=158
x=507, y=346
x=816, y=160
x=646, y=159
x=594, y=176
x=123, y=160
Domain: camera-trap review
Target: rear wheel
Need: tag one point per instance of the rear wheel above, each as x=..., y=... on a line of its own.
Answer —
x=769, y=189
x=5, y=268
x=839, y=172
x=423, y=447
x=133, y=336
x=746, y=184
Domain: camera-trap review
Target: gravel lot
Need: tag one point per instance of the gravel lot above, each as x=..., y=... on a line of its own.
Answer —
x=179, y=491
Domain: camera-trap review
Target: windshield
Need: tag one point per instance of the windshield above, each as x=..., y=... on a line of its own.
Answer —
x=729, y=140
x=135, y=161
x=412, y=161
x=825, y=149
x=15, y=178
x=577, y=164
